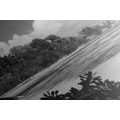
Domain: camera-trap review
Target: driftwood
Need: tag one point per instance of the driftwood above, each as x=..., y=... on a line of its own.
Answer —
x=85, y=58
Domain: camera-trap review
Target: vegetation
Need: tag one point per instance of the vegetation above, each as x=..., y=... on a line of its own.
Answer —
x=93, y=88
x=25, y=61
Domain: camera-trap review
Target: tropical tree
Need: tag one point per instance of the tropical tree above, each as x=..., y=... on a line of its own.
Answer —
x=93, y=88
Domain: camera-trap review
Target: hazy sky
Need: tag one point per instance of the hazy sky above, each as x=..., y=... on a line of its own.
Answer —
x=10, y=27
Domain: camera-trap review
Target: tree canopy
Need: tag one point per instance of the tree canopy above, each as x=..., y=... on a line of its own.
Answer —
x=25, y=61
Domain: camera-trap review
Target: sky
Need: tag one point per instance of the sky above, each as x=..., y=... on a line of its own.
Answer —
x=10, y=27
x=21, y=32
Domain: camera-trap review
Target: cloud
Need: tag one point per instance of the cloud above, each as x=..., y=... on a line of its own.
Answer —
x=4, y=48
x=41, y=29
x=20, y=40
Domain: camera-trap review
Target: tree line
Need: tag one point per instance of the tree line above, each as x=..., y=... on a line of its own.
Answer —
x=23, y=62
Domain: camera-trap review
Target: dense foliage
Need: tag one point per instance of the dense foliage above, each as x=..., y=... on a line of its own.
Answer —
x=25, y=61
x=93, y=88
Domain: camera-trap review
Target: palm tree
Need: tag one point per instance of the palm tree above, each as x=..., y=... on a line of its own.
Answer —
x=93, y=87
